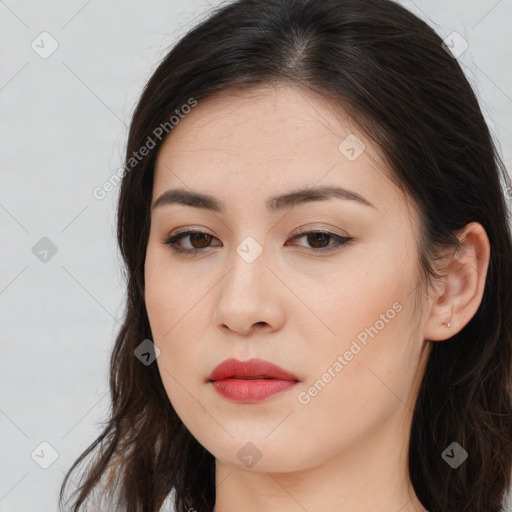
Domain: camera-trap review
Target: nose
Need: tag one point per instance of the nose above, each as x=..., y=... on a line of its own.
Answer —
x=250, y=298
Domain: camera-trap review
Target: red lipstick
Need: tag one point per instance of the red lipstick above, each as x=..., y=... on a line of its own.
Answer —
x=250, y=381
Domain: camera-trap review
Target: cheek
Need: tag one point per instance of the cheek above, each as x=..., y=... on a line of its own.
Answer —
x=165, y=297
x=174, y=336
x=353, y=303
x=367, y=337
x=360, y=379
x=177, y=320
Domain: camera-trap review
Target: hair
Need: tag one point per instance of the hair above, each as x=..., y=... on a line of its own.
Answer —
x=390, y=71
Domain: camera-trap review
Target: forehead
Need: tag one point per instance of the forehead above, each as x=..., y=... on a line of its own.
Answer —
x=269, y=139
x=271, y=119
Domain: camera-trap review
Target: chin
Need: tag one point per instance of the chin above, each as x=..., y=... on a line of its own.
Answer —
x=263, y=455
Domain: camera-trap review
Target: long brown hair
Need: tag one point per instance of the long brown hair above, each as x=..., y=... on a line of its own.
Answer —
x=392, y=73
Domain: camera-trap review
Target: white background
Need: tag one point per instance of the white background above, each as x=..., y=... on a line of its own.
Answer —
x=63, y=128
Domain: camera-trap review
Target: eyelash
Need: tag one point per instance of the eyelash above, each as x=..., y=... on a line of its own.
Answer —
x=172, y=241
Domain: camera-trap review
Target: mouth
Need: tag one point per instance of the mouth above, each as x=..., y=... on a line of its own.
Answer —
x=251, y=381
x=253, y=369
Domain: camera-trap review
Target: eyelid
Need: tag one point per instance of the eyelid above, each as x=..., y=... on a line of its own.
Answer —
x=302, y=230
x=317, y=229
x=189, y=231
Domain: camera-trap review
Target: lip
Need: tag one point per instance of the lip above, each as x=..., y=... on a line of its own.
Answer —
x=250, y=368
x=238, y=380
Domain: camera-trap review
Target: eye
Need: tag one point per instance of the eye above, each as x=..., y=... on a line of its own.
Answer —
x=199, y=241
x=318, y=240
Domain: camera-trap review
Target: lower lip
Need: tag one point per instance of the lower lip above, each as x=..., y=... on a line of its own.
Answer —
x=251, y=391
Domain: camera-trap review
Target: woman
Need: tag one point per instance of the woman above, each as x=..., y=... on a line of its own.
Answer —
x=319, y=310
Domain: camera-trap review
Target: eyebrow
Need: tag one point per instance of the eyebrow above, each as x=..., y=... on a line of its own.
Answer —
x=273, y=204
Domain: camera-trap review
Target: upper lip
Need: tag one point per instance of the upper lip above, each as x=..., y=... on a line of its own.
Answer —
x=251, y=368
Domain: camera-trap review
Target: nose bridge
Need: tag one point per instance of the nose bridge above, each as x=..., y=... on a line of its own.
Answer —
x=248, y=273
x=247, y=297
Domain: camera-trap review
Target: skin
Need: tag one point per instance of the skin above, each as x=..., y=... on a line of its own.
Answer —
x=345, y=450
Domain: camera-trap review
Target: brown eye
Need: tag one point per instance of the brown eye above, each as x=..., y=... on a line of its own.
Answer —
x=203, y=239
x=197, y=240
x=322, y=241
x=318, y=240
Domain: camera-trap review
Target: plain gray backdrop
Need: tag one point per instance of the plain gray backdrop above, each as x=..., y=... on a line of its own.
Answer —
x=70, y=74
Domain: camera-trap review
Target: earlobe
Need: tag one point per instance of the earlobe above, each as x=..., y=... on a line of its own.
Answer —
x=461, y=289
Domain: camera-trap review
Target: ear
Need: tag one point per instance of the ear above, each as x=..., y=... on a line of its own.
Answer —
x=459, y=293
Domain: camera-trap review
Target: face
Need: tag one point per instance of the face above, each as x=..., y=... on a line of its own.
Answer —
x=321, y=284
